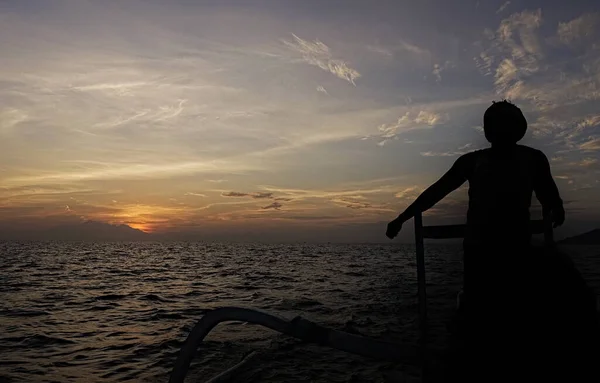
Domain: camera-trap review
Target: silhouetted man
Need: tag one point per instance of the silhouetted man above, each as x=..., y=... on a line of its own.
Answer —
x=502, y=180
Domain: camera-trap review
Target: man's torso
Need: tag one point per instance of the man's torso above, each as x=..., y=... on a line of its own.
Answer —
x=500, y=190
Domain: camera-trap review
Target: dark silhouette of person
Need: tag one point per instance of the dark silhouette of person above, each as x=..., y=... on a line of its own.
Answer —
x=504, y=276
x=501, y=179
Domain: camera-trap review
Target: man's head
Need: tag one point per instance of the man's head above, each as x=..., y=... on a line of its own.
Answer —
x=504, y=123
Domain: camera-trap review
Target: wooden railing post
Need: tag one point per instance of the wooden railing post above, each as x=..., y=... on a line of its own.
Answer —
x=422, y=293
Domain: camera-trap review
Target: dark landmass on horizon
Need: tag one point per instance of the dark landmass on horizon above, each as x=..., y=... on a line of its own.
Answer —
x=81, y=231
x=94, y=231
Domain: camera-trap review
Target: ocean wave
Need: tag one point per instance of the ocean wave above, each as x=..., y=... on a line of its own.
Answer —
x=118, y=312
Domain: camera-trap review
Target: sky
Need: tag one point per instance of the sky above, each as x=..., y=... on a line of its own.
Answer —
x=281, y=119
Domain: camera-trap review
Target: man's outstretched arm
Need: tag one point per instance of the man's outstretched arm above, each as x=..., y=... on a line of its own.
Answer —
x=449, y=182
x=547, y=192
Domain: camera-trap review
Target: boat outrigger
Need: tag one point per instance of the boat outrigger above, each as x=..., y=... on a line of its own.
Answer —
x=311, y=332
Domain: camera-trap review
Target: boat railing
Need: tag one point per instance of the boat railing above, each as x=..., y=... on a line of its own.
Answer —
x=308, y=331
x=542, y=226
x=298, y=328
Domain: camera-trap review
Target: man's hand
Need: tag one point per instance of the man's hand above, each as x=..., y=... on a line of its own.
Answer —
x=558, y=216
x=393, y=228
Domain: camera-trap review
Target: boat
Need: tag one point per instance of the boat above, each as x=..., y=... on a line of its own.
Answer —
x=420, y=353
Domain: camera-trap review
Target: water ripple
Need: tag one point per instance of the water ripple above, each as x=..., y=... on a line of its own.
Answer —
x=121, y=311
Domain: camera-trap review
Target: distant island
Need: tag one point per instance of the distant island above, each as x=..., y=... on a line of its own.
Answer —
x=96, y=231
x=589, y=238
x=88, y=231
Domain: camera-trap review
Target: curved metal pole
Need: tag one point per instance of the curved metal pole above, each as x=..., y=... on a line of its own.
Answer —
x=298, y=328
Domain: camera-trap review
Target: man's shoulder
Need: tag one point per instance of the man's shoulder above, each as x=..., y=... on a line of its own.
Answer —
x=532, y=152
x=474, y=154
x=529, y=149
x=468, y=161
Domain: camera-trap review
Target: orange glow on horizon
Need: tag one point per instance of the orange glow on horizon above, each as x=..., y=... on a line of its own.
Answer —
x=146, y=228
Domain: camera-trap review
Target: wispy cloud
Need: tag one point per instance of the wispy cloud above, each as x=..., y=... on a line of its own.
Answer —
x=460, y=151
x=130, y=172
x=588, y=162
x=430, y=118
x=234, y=194
x=195, y=194
x=409, y=192
x=529, y=66
x=438, y=69
x=577, y=29
x=11, y=117
x=408, y=122
x=406, y=46
x=503, y=7
x=257, y=195
x=275, y=206
x=318, y=54
x=591, y=145
x=354, y=197
x=322, y=89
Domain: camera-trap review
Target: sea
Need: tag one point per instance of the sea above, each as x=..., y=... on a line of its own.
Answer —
x=120, y=312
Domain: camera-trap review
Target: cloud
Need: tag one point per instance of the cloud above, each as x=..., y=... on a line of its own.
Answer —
x=409, y=122
x=390, y=130
x=588, y=162
x=589, y=122
x=531, y=68
x=328, y=195
x=578, y=29
x=429, y=118
x=135, y=171
x=406, y=46
x=318, y=54
x=354, y=203
x=381, y=50
x=196, y=194
x=262, y=195
x=591, y=145
x=438, y=69
x=440, y=154
x=258, y=195
x=234, y=194
x=160, y=114
x=516, y=49
x=401, y=49
x=459, y=152
x=351, y=203
x=11, y=118
x=275, y=205
x=322, y=90
x=484, y=63
x=503, y=7
x=409, y=192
